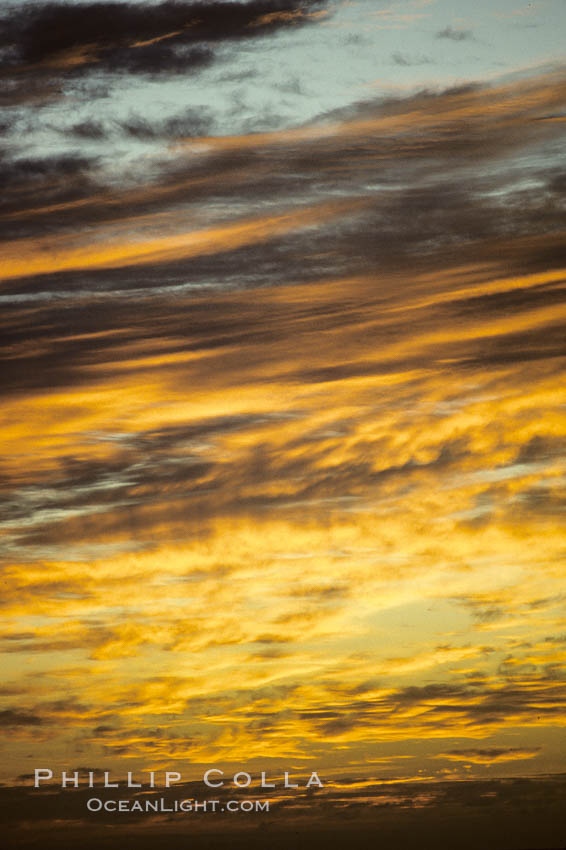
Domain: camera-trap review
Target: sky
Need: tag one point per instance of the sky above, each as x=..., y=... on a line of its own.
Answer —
x=284, y=402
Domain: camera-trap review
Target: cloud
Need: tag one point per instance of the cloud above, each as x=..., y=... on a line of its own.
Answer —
x=87, y=130
x=441, y=710
x=282, y=165
x=34, y=93
x=454, y=34
x=156, y=39
x=407, y=61
x=191, y=122
x=184, y=125
x=491, y=755
x=10, y=718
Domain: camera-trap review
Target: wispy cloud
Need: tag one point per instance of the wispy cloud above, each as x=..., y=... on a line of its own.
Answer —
x=453, y=34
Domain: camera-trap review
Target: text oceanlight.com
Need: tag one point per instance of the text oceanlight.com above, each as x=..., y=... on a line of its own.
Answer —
x=95, y=804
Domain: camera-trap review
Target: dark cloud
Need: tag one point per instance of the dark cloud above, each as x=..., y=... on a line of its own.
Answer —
x=137, y=37
x=10, y=718
x=61, y=178
x=543, y=500
x=490, y=755
x=533, y=694
x=407, y=61
x=29, y=91
x=454, y=34
x=187, y=124
x=89, y=130
x=158, y=59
